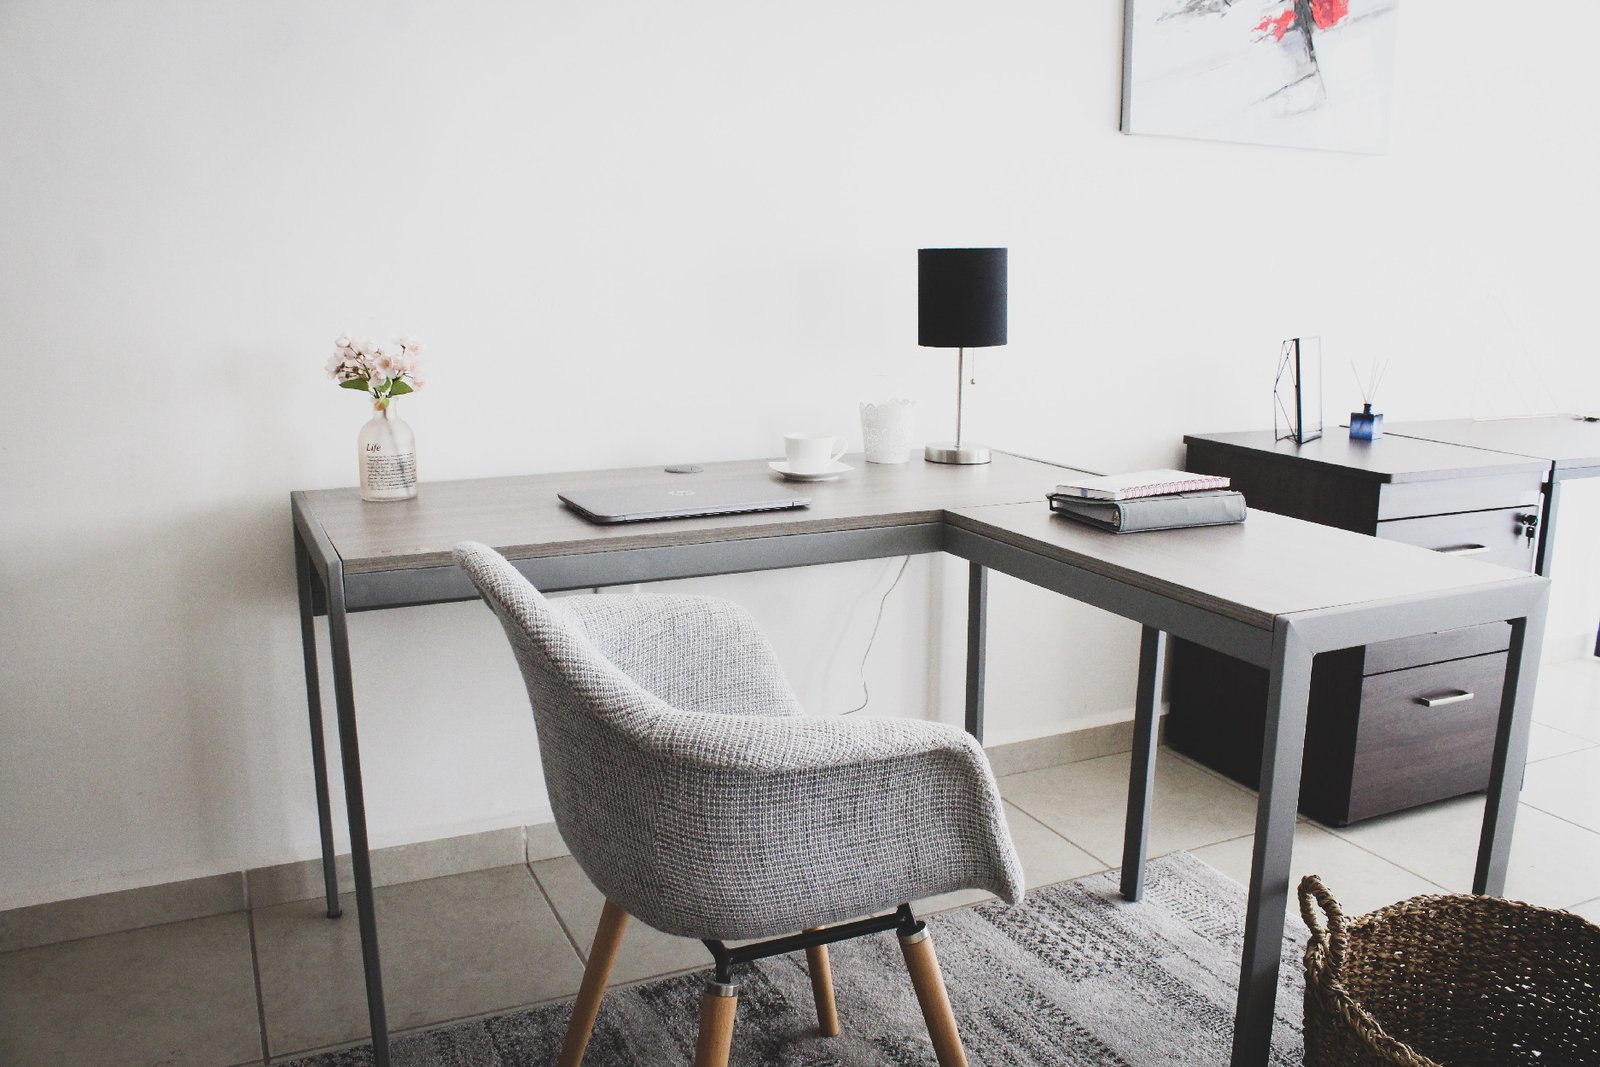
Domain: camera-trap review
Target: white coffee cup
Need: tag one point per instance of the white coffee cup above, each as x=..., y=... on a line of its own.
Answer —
x=812, y=453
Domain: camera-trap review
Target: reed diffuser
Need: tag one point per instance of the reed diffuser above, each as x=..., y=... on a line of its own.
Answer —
x=1367, y=425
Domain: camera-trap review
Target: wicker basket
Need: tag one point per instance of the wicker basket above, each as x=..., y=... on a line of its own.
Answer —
x=1450, y=981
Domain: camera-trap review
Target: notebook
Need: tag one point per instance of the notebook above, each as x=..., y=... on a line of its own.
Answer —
x=1169, y=511
x=1141, y=483
x=682, y=499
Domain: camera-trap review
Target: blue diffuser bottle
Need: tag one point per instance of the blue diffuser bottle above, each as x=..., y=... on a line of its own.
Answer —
x=1364, y=425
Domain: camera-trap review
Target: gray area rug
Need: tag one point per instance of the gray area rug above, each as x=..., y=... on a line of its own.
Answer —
x=1074, y=976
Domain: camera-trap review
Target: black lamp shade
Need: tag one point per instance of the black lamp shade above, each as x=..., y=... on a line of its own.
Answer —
x=961, y=297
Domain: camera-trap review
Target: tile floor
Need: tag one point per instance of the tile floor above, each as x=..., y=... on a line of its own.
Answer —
x=259, y=987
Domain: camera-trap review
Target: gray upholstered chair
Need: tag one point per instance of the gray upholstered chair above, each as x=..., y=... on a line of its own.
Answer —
x=698, y=798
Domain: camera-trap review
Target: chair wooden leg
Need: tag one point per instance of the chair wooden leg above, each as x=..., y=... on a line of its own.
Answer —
x=602, y=954
x=718, y=1005
x=822, y=989
x=929, y=984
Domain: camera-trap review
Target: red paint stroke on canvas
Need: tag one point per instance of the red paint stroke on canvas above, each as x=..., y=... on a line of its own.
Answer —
x=1279, y=26
x=1328, y=13
x=1324, y=14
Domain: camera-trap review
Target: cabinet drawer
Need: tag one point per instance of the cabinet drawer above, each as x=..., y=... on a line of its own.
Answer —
x=1405, y=500
x=1432, y=648
x=1410, y=753
x=1489, y=536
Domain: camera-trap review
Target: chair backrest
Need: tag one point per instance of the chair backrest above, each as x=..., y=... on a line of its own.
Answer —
x=585, y=710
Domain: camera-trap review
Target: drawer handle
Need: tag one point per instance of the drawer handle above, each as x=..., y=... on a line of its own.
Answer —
x=1460, y=696
x=1463, y=550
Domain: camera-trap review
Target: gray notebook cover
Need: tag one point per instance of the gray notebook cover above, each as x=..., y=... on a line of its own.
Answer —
x=1214, y=507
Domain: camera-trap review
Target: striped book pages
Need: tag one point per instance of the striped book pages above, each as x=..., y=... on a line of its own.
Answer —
x=1141, y=483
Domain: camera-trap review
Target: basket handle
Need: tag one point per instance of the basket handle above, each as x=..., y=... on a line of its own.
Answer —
x=1332, y=937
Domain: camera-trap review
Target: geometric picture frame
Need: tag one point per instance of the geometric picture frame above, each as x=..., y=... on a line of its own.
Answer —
x=1297, y=392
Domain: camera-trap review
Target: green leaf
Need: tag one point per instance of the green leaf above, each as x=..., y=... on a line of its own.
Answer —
x=354, y=383
x=399, y=388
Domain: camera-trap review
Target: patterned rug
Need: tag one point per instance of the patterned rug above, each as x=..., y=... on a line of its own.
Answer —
x=1074, y=976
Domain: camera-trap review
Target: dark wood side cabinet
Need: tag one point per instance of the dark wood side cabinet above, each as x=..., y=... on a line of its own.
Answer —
x=1393, y=725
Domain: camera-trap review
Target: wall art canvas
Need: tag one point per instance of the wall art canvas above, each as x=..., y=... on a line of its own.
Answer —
x=1298, y=73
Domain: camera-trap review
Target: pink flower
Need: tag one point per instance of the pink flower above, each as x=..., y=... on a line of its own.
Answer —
x=386, y=365
x=377, y=366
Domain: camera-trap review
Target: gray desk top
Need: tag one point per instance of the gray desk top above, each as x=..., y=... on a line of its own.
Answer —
x=521, y=517
x=1392, y=458
x=1565, y=442
x=1251, y=572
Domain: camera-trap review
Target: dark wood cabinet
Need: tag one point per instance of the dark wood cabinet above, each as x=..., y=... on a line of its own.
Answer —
x=1392, y=725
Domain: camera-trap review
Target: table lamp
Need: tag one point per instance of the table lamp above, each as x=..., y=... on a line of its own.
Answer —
x=961, y=304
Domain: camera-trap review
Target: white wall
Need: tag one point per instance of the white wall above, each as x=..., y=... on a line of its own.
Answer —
x=637, y=233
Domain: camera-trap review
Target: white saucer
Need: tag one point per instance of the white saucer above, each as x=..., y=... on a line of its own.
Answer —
x=827, y=474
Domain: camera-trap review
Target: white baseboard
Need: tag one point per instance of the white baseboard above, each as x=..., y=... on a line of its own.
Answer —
x=263, y=887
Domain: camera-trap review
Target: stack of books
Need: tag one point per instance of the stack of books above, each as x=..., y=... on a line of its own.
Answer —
x=1149, y=500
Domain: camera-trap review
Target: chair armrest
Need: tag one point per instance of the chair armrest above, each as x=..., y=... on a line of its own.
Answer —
x=750, y=744
x=772, y=825
x=694, y=653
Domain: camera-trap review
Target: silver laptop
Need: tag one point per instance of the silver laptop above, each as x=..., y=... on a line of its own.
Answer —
x=680, y=500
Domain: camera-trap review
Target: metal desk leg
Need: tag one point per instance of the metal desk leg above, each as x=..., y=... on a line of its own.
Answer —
x=1142, y=768
x=319, y=749
x=1547, y=541
x=1288, y=696
x=356, y=808
x=977, y=639
x=1510, y=753
x=1547, y=528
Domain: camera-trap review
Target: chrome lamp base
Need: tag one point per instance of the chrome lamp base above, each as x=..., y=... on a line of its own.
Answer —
x=956, y=453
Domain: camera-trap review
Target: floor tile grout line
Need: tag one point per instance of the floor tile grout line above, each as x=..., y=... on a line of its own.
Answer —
x=1587, y=742
x=1057, y=833
x=1431, y=881
x=1092, y=855
x=255, y=973
x=1558, y=817
x=1587, y=752
x=1117, y=863
x=323, y=1050
x=1590, y=742
x=583, y=957
x=1337, y=836
x=1224, y=841
x=561, y=998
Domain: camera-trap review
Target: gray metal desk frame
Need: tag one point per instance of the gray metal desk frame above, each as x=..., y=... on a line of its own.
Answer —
x=1286, y=651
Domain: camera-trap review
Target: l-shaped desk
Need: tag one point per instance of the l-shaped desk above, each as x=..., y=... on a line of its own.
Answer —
x=1272, y=591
